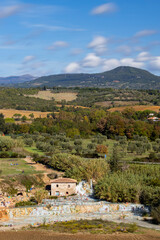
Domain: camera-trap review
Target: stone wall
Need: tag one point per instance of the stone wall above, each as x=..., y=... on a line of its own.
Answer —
x=68, y=210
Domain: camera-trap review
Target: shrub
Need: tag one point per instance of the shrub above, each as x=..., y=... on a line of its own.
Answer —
x=78, y=142
x=25, y=203
x=40, y=194
x=6, y=143
x=150, y=195
x=10, y=155
x=155, y=213
x=29, y=142
x=4, y=155
x=28, y=181
x=11, y=191
x=52, y=175
x=132, y=228
x=14, y=155
x=101, y=149
x=118, y=187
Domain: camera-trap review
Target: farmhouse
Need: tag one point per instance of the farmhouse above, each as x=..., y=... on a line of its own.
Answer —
x=63, y=187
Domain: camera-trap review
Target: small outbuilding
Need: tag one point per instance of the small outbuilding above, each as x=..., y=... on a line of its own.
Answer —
x=63, y=187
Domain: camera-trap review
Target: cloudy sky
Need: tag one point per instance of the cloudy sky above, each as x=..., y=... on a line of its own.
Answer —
x=43, y=37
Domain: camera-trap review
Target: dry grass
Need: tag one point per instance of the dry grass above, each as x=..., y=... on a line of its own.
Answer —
x=48, y=95
x=75, y=106
x=43, y=235
x=8, y=113
x=137, y=108
x=116, y=103
x=65, y=96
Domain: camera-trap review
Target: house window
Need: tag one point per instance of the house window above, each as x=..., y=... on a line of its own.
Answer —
x=57, y=193
x=69, y=186
x=57, y=185
x=66, y=192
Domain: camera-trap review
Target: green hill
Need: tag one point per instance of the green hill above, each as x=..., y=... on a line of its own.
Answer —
x=121, y=77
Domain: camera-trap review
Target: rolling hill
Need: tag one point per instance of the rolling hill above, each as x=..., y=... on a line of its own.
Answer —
x=7, y=81
x=121, y=77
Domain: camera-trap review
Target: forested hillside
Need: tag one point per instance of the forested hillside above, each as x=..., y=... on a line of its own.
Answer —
x=121, y=77
x=27, y=99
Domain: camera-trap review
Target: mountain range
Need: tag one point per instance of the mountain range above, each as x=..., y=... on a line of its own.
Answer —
x=7, y=81
x=120, y=77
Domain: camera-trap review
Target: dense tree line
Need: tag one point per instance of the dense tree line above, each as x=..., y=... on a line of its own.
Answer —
x=86, y=122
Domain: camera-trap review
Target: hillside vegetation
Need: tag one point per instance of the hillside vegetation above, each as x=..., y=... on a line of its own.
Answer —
x=137, y=108
x=48, y=100
x=121, y=77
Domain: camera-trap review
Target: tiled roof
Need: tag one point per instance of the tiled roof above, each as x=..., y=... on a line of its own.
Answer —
x=63, y=180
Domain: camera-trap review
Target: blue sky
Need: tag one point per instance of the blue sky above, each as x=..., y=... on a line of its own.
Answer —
x=43, y=37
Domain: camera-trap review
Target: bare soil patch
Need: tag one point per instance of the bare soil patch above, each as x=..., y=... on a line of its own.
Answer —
x=8, y=113
x=43, y=168
x=48, y=95
x=48, y=235
x=137, y=108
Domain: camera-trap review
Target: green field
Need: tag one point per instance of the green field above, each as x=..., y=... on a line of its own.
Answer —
x=15, y=166
x=33, y=150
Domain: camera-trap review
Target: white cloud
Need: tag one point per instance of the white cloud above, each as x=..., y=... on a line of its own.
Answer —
x=53, y=27
x=95, y=63
x=9, y=10
x=28, y=59
x=143, y=56
x=73, y=67
x=145, y=33
x=154, y=64
x=91, y=61
x=110, y=64
x=99, y=44
x=113, y=63
x=105, y=8
x=131, y=62
x=58, y=45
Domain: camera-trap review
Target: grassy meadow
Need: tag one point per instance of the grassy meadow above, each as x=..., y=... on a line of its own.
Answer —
x=16, y=166
x=33, y=150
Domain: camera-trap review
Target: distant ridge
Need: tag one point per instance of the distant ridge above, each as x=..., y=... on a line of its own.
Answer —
x=6, y=81
x=120, y=77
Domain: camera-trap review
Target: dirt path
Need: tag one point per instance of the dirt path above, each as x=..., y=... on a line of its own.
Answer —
x=43, y=168
x=43, y=235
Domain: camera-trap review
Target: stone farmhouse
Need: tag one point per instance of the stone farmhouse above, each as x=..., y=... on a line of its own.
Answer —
x=63, y=187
